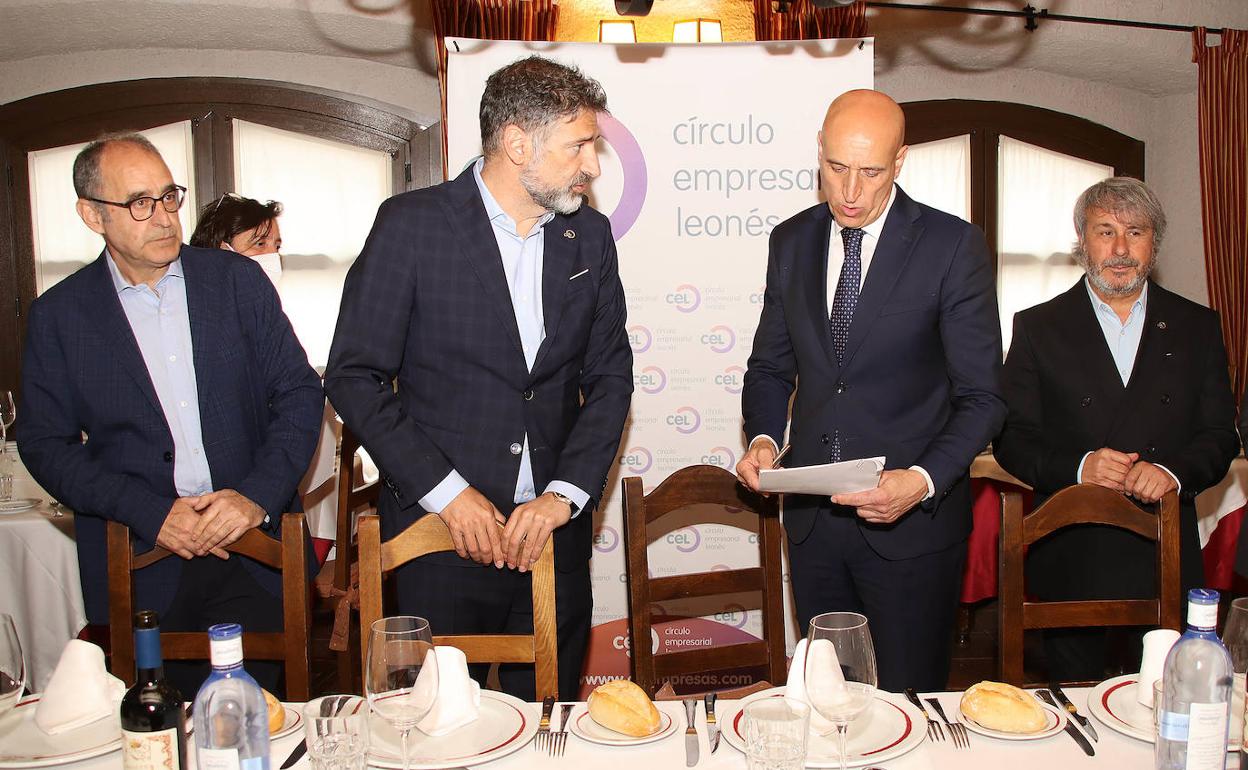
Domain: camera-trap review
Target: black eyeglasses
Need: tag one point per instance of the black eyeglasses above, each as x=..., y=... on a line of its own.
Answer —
x=143, y=208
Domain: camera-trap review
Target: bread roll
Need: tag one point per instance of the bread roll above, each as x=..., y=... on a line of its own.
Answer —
x=277, y=714
x=1003, y=707
x=622, y=706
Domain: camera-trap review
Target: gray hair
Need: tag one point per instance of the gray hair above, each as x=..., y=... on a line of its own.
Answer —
x=534, y=93
x=87, y=164
x=1126, y=198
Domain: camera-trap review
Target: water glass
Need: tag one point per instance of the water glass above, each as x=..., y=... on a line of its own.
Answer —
x=337, y=732
x=775, y=732
x=12, y=669
x=1158, y=710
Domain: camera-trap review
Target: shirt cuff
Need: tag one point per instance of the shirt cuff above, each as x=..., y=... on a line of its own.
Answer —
x=579, y=498
x=931, y=488
x=447, y=490
x=1079, y=470
x=768, y=439
x=1178, y=484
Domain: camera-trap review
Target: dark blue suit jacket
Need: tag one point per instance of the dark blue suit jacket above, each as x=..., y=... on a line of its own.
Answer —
x=920, y=381
x=427, y=368
x=260, y=406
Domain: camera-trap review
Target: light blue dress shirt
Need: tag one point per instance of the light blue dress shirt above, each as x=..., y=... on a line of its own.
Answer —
x=162, y=327
x=1123, y=339
x=522, y=264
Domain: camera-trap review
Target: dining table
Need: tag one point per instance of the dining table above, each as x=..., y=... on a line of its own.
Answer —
x=1056, y=752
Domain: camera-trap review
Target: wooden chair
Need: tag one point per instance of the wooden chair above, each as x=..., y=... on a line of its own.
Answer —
x=353, y=495
x=290, y=645
x=696, y=485
x=1082, y=504
x=430, y=535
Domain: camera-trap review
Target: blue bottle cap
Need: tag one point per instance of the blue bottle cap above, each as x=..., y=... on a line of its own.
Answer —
x=223, y=631
x=1203, y=596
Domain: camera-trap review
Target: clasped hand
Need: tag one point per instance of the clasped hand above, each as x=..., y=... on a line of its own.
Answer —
x=1124, y=472
x=482, y=534
x=207, y=524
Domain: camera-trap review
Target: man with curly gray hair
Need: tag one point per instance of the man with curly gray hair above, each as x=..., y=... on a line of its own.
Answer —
x=1120, y=383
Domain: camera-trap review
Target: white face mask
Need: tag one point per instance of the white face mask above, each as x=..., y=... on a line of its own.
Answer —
x=272, y=266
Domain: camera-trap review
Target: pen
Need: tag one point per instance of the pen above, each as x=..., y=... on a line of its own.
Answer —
x=776, y=462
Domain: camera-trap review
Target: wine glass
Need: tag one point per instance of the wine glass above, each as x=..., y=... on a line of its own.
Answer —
x=401, y=680
x=1235, y=637
x=840, y=670
x=8, y=414
x=12, y=669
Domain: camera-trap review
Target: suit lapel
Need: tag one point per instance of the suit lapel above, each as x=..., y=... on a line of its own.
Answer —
x=901, y=232
x=815, y=280
x=1081, y=330
x=1152, y=339
x=467, y=216
x=111, y=319
x=559, y=250
x=203, y=304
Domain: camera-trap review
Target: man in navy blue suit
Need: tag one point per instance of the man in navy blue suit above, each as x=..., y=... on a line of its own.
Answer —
x=885, y=310
x=481, y=358
x=164, y=388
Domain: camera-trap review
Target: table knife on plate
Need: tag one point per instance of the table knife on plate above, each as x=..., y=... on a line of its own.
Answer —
x=691, y=733
x=712, y=726
x=1070, y=728
x=1083, y=721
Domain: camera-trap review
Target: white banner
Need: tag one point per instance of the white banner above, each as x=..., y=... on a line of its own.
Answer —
x=706, y=149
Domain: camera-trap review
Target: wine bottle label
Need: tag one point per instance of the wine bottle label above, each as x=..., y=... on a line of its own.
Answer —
x=1206, y=737
x=1203, y=617
x=150, y=751
x=216, y=759
x=226, y=652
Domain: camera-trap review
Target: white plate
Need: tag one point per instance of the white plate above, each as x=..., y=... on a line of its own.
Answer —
x=584, y=727
x=1113, y=704
x=1055, y=722
x=294, y=721
x=889, y=728
x=505, y=725
x=19, y=504
x=23, y=744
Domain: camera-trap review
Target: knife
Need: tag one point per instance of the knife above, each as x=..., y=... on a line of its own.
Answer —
x=712, y=727
x=1070, y=728
x=1083, y=721
x=691, y=734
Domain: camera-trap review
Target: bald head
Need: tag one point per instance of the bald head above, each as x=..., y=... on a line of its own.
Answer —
x=861, y=151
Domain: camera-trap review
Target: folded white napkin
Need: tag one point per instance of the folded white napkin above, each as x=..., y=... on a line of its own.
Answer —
x=80, y=691
x=1157, y=644
x=795, y=689
x=458, y=701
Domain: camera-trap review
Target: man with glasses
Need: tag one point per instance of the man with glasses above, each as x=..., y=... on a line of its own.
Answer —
x=164, y=388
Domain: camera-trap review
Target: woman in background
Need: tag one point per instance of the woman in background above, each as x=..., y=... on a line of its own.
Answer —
x=243, y=225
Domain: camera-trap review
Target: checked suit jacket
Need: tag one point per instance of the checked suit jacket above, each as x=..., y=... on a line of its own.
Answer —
x=427, y=368
x=260, y=406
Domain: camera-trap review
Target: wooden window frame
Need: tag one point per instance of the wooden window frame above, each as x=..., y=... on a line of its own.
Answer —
x=80, y=114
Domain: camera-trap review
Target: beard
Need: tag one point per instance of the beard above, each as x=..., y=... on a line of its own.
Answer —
x=1097, y=277
x=561, y=200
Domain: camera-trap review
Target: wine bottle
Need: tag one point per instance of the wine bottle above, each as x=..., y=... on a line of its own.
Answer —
x=231, y=716
x=153, y=722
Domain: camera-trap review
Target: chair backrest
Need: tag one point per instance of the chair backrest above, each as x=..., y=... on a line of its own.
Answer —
x=352, y=495
x=697, y=485
x=430, y=535
x=1082, y=504
x=289, y=645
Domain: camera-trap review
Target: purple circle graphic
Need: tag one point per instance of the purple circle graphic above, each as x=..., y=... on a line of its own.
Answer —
x=688, y=545
x=633, y=163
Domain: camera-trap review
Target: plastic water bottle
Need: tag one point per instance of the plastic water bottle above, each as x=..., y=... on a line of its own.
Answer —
x=231, y=718
x=1196, y=692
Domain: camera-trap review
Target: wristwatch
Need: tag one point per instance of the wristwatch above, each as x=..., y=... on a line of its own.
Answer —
x=563, y=499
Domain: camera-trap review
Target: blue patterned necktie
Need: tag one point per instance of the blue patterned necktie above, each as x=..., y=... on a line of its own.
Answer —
x=844, y=302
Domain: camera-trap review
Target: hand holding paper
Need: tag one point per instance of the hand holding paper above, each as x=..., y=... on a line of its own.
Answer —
x=830, y=479
x=898, y=492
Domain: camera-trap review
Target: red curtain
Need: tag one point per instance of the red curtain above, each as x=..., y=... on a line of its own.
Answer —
x=1223, y=127
x=803, y=21
x=488, y=20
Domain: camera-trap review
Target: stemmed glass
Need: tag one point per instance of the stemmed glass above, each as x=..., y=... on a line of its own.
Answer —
x=12, y=669
x=840, y=670
x=8, y=414
x=1235, y=637
x=401, y=680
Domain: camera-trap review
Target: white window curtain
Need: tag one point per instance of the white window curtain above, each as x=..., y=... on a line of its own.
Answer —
x=329, y=192
x=63, y=244
x=1037, y=191
x=938, y=173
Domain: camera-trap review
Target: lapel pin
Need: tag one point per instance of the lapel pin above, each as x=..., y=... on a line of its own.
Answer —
x=1161, y=325
x=569, y=234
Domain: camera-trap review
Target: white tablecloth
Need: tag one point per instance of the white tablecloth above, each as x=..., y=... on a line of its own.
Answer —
x=39, y=584
x=1057, y=752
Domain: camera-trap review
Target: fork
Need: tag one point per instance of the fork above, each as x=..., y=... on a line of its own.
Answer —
x=541, y=741
x=956, y=729
x=934, y=733
x=559, y=740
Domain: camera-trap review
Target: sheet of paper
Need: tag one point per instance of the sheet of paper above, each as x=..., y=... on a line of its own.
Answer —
x=831, y=479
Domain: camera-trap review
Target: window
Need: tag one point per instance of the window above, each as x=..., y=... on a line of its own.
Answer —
x=1016, y=172
x=218, y=135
